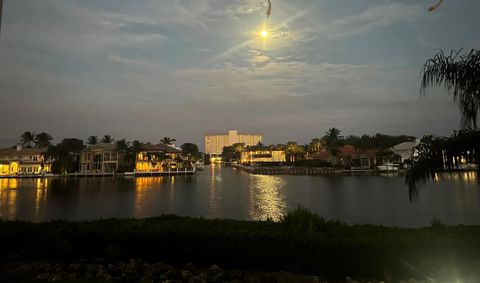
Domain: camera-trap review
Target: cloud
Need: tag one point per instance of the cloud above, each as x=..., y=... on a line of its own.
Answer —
x=145, y=70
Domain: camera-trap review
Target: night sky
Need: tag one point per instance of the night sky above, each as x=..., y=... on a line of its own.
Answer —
x=148, y=69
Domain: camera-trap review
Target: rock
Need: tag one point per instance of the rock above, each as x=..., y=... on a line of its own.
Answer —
x=73, y=267
x=185, y=274
x=197, y=279
x=43, y=276
x=55, y=278
x=215, y=269
x=190, y=267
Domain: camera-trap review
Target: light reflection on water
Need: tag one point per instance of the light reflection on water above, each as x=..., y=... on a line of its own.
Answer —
x=266, y=198
x=221, y=192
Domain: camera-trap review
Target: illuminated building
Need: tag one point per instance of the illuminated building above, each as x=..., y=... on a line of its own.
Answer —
x=158, y=158
x=99, y=158
x=214, y=144
x=263, y=156
x=24, y=161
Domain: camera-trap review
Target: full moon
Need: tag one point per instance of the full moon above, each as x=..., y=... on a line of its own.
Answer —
x=264, y=33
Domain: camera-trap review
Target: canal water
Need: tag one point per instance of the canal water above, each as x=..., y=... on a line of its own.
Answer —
x=221, y=192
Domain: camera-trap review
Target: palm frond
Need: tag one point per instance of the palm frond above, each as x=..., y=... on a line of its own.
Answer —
x=459, y=74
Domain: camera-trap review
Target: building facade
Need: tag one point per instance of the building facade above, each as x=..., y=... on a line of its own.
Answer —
x=99, y=158
x=24, y=161
x=214, y=144
x=158, y=158
x=349, y=156
x=263, y=156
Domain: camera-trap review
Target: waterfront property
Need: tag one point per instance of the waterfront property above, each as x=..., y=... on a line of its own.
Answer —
x=263, y=156
x=348, y=155
x=99, y=158
x=404, y=149
x=214, y=144
x=157, y=158
x=21, y=161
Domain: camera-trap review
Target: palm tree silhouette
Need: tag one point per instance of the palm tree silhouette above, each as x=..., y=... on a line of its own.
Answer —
x=459, y=74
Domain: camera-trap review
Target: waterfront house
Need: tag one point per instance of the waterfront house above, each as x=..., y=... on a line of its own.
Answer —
x=100, y=158
x=348, y=155
x=404, y=149
x=263, y=156
x=156, y=158
x=24, y=161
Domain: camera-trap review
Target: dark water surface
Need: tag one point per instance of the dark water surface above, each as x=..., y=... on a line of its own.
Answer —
x=226, y=193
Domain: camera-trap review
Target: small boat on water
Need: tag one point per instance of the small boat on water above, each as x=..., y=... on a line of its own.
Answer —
x=389, y=167
x=200, y=165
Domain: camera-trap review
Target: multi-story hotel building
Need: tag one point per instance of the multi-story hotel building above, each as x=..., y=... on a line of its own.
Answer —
x=214, y=144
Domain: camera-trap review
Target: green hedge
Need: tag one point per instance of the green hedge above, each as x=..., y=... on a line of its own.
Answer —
x=302, y=242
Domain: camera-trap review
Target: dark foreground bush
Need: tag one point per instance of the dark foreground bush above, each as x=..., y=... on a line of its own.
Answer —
x=302, y=242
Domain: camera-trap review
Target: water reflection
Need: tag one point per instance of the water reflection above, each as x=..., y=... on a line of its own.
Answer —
x=226, y=193
x=142, y=187
x=467, y=176
x=8, y=198
x=266, y=197
x=41, y=191
x=214, y=199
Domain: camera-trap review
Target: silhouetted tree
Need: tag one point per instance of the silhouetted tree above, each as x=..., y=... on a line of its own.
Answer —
x=92, y=140
x=331, y=140
x=459, y=73
x=42, y=140
x=191, y=150
x=168, y=140
x=27, y=139
x=107, y=139
x=65, y=155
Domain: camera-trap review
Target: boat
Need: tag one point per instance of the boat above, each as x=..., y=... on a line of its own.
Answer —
x=389, y=167
x=200, y=165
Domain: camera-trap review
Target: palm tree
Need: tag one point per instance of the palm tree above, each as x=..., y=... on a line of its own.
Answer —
x=92, y=140
x=27, y=138
x=107, y=139
x=168, y=140
x=332, y=140
x=315, y=145
x=122, y=145
x=459, y=73
x=291, y=150
x=42, y=140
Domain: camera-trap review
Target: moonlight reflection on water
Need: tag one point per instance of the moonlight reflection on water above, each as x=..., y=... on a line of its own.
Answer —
x=221, y=192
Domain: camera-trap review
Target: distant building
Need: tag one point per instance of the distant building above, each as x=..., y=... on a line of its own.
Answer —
x=263, y=156
x=24, y=161
x=158, y=158
x=99, y=158
x=349, y=156
x=404, y=149
x=214, y=144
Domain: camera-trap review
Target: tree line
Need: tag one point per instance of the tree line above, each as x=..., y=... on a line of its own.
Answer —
x=331, y=141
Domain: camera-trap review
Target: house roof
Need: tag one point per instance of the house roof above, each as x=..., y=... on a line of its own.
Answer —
x=102, y=147
x=23, y=151
x=160, y=147
x=405, y=146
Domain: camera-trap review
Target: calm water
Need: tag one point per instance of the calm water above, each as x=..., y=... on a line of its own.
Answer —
x=226, y=193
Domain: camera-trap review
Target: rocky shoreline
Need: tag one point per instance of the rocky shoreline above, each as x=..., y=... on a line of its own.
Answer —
x=99, y=270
